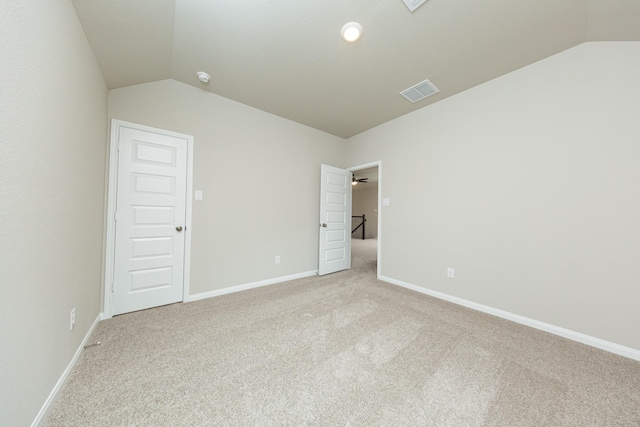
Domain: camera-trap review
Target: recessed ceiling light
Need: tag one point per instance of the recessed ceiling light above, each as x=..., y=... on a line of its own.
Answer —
x=351, y=32
x=203, y=77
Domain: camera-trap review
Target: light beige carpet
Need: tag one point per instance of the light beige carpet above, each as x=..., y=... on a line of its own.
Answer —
x=340, y=350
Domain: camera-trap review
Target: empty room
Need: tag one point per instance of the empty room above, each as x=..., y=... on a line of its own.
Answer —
x=177, y=178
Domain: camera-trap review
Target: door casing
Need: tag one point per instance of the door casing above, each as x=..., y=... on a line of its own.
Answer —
x=109, y=258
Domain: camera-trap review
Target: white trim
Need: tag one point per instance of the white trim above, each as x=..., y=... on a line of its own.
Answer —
x=52, y=396
x=107, y=302
x=186, y=273
x=611, y=347
x=251, y=285
x=377, y=164
x=110, y=217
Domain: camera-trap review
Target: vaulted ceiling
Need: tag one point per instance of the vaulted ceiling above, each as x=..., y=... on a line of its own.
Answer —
x=286, y=57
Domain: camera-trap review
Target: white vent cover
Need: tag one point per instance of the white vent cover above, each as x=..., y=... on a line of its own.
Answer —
x=420, y=91
x=413, y=4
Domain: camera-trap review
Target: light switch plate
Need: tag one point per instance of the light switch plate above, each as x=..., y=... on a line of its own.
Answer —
x=386, y=202
x=198, y=194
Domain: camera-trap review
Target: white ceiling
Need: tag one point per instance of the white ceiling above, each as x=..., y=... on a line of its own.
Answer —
x=286, y=57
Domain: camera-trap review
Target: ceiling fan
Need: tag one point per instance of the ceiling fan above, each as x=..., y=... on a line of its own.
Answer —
x=355, y=180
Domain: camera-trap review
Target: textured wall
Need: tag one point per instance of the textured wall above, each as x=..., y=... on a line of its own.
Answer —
x=528, y=186
x=53, y=134
x=260, y=175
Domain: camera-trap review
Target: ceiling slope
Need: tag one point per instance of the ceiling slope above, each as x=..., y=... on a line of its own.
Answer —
x=131, y=39
x=286, y=57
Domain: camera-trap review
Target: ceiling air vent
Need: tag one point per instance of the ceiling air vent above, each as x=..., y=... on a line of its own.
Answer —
x=420, y=91
x=413, y=4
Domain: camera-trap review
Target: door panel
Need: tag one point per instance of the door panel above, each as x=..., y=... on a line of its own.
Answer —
x=335, y=220
x=151, y=247
x=154, y=184
x=151, y=204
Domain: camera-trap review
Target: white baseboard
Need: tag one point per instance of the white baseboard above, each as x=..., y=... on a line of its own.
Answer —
x=52, y=396
x=252, y=285
x=611, y=347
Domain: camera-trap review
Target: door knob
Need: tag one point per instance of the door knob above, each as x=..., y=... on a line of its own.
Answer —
x=178, y=229
x=324, y=225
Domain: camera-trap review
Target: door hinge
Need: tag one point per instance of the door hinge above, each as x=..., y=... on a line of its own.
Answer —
x=112, y=287
x=115, y=216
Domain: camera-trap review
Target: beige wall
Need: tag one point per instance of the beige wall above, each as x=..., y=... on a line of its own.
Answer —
x=365, y=201
x=528, y=186
x=53, y=133
x=260, y=175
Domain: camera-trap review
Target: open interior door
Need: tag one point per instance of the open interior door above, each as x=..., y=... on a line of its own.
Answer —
x=335, y=220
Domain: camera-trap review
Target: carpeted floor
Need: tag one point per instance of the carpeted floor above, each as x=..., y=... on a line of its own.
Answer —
x=340, y=350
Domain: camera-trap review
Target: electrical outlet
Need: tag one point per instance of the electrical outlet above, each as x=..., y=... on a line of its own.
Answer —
x=450, y=273
x=72, y=319
x=278, y=259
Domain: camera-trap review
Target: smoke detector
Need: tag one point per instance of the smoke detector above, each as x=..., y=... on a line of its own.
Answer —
x=413, y=4
x=203, y=77
x=420, y=91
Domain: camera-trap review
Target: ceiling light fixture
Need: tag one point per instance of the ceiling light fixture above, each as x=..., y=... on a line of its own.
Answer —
x=203, y=77
x=351, y=32
x=355, y=180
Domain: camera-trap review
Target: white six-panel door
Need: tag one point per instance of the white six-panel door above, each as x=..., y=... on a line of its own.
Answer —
x=335, y=220
x=150, y=220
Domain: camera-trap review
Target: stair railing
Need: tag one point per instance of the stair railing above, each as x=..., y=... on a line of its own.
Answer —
x=358, y=221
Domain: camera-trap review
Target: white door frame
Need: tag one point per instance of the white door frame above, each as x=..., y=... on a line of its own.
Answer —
x=109, y=258
x=377, y=164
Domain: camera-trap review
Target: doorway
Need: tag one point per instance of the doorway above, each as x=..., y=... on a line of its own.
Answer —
x=366, y=216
